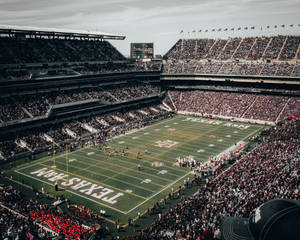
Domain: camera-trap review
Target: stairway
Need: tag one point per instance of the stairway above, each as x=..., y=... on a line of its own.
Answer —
x=249, y=107
x=298, y=50
x=282, y=47
x=236, y=49
x=219, y=55
x=246, y=57
x=27, y=112
x=166, y=107
x=175, y=108
x=271, y=39
x=283, y=109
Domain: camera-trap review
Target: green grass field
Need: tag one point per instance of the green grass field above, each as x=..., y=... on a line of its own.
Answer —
x=114, y=183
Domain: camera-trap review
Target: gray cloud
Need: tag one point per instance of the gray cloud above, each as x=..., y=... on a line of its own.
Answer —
x=158, y=21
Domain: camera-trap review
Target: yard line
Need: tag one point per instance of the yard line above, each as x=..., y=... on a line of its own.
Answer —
x=112, y=177
x=107, y=177
x=49, y=158
x=82, y=196
x=159, y=192
x=179, y=151
x=138, y=129
x=135, y=164
x=140, y=179
x=253, y=132
x=157, y=158
x=180, y=146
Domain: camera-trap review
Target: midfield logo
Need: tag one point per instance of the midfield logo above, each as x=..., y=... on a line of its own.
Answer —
x=166, y=143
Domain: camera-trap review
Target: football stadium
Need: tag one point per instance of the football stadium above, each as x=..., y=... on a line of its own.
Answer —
x=201, y=142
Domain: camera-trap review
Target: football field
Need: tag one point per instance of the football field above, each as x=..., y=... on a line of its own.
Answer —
x=135, y=170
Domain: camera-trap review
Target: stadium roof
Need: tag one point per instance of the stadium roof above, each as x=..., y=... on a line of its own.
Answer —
x=8, y=29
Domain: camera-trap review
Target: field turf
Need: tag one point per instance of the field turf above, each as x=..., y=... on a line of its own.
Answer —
x=125, y=185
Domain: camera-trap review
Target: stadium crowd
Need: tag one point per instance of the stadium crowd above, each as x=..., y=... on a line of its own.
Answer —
x=23, y=58
x=239, y=105
x=29, y=219
x=31, y=50
x=265, y=56
x=19, y=107
x=270, y=171
x=87, y=130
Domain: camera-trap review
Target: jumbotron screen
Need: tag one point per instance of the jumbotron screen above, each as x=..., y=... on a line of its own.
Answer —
x=141, y=50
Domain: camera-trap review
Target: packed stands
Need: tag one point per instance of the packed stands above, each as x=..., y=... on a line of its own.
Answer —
x=239, y=105
x=291, y=108
x=290, y=48
x=9, y=110
x=229, y=49
x=19, y=107
x=273, y=49
x=216, y=49
x=31, y=50
x=266, y=108
x=35, y=56
x=10, y=148
x=76, y=130
x=296, y=71
x=35, y=141
x=258, y=48
x=244, y=48
x=235, y=56
x=29, y=219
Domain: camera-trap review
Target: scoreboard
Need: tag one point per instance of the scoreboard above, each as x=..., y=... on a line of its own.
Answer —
x=141, y=50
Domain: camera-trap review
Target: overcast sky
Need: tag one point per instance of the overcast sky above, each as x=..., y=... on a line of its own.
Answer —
x=157, y=21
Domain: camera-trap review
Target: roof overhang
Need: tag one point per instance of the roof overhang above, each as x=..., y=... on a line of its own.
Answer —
x=31, y=31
